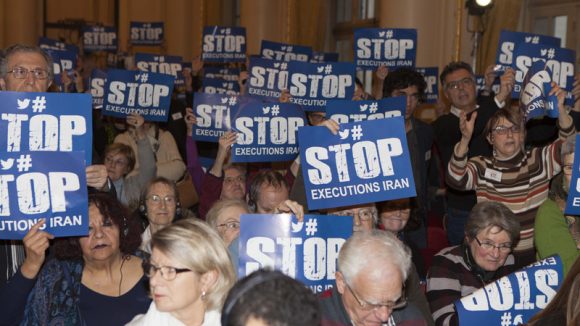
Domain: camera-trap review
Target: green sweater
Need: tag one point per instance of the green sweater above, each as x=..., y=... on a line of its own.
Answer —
x=552, y=235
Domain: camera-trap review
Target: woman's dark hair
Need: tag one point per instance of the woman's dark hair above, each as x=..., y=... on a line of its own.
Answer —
x=111, y=208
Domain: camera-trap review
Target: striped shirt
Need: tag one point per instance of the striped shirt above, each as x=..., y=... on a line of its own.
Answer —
x=450, y=278
x=521, y=183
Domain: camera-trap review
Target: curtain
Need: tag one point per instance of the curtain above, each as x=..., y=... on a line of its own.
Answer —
x=504, y=14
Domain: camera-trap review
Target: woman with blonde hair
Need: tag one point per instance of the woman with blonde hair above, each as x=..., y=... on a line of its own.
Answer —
x=190, y=274
x=224, y=217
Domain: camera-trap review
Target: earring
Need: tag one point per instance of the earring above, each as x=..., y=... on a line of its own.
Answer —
x=203, y=296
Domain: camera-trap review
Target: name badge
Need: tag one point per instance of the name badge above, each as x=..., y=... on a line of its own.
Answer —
x=177, y=116
x=493, y=175
x=428, y=155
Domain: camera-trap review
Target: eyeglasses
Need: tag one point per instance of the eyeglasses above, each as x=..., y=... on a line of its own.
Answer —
x=364, y=215
x=401, y=303
x=168, y=273
x=317, y=117
x=156, y=199
x=21, y=73
x=230, y=225
x=110, y=161
x=231, y=180
x=568, y=169
x=503, y=130
x=467, y=81
x=487, y=245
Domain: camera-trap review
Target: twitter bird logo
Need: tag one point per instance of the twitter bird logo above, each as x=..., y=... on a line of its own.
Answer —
x=23, y=104
x=320, y=69
x=266, y=109
x=343, y=134
x=363, y=108
x=224, y=100
x=6, y=165
x=297, y=227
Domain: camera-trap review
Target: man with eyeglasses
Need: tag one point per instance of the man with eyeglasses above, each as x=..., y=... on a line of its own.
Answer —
x=458, y=83
x=372, y=268
x=29, y=69
x=491, y=232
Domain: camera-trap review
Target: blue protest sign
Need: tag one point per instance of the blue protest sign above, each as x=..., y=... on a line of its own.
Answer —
x=63, y=61
x=306, y=251
x=509, y=40
x=97, y=86
x=560, y=61
x=346, y=169
x=285, y=52
x=534, y=99
x=391, y=47
x=267, y=132
x=311, y=85
x=99, y=38
x=49, y=185
x=229, y=74
x=431, y=76
x=146, y=33
x=144, y=93
x=480, y=84
x=513, y=299
x=220, y=86
x=164, y=64
x=357, y=111
x=224, y=44
x=267, y=77
x=55, y=122
x=322, y=57
x=573, y=201
x=46, y=43
x=214, y=114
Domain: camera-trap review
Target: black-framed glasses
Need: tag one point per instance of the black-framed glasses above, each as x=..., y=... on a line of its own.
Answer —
x=156, y=199
x=168, y=273
x=503, y=130
x=21, y=73
x=364, y=215
x=467, y=81
x=233, y=225
x=363, y=305
x=488, y=245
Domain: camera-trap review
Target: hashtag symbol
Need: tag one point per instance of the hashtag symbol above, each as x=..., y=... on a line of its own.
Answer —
x=233, y=101
x=23, y=163
x=356, y=132
x=39, y=104
x=536, y=40
x=311, y=227
x=283, y=66
x=275, y=110
x=373, y=107
x=328, y=69
x=389, y=34
x=144, y=78
x=506, y=319
x=551, y=53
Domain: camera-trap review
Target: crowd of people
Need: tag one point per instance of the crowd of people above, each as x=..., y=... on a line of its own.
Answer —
x=147, y=260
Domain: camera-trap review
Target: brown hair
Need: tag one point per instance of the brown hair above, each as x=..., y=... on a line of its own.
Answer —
x=512, y=116
x=125, y=150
